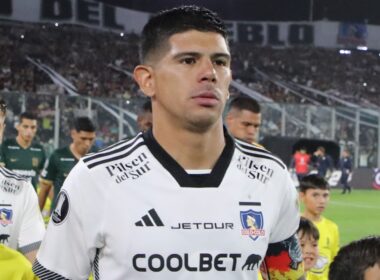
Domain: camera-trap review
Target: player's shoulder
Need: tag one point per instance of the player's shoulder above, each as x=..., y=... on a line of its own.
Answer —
x=9, y=174
x=259, y=152
x=9, y=142
x=330, y=223
x=13, y=183
x=115, y=152
x=63, y=151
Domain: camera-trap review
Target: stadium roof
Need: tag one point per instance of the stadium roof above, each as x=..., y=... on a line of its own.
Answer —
x=277, y=10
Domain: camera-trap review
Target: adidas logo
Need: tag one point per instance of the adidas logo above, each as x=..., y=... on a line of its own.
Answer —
x=150, y=220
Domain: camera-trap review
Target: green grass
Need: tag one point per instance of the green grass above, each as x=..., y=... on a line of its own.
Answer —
x=356, y=214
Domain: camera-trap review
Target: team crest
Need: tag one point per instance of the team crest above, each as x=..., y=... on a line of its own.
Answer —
x=35, y=161
x=5, y=216
x=253, y=223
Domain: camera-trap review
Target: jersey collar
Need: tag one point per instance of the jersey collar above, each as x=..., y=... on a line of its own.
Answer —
x=184, y=179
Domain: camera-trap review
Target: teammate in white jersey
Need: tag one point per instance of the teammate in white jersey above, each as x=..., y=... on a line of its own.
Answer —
x=183, y=200
x=21, y=224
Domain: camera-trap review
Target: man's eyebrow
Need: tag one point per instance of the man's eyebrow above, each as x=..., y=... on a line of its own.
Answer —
x=184, y=54
x=197, y=54
x=223, y=55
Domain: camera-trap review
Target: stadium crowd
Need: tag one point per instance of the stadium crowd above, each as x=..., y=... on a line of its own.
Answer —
x=83, y=56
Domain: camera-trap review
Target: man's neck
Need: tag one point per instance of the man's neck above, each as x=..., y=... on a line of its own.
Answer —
x=192, y=150
x=24, y=144
x=74, y=151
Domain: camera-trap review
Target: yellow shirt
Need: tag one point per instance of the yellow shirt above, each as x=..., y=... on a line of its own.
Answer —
x=328, y=246
x=14, y=266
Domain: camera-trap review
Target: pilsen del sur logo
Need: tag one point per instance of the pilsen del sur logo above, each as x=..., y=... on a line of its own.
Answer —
x=131, y=170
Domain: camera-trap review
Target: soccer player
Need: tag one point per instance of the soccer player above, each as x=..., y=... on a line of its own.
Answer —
x=315, y=194
x=180, y=201
x=21, y=224
x=63, y=160
x=144, y=117
x=243, y=118
x=308, y=235
x=360, y=259
x=21, y=154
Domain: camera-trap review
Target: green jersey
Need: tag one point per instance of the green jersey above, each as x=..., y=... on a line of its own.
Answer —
x=57, y=168
x=28, y=162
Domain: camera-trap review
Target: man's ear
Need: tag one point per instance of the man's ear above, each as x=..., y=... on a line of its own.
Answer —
x=143, y=75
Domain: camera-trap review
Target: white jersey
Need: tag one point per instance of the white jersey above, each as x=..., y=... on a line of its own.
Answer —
x=21, y=224
x=131, y=212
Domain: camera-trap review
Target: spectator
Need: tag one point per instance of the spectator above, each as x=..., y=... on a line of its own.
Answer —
x=345, y=166
x=322, y=162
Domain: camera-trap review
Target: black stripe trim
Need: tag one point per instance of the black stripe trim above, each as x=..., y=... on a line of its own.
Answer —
x=248, y=146
x=96, y=265
x=155, y=217
x=91, y=165
x=109, y=151
x=262, y=156
x=245, y=203
x=245, y=146
x=9, y=174
x=45, y=274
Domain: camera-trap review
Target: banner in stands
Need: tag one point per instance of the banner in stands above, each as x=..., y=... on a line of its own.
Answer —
x=84, y=12
x=276, y=34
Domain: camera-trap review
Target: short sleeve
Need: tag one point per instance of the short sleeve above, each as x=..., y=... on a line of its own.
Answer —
x=32, y=227
x=288, y=215
x=74, y=231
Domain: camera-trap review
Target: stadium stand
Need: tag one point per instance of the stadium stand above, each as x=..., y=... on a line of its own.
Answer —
x=83, y=57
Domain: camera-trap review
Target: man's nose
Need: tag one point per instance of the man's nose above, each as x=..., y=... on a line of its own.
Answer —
x=208, y=71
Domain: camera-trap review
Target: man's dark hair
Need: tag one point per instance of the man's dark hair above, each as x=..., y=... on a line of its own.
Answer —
x=147, y=106
x=244, y=103
x=353, y=259
x=313, y=181
x=27, y=115
x=307, y=227
x=322, y=149
x=83, y=124
x=3, y=106
x=177, y=20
